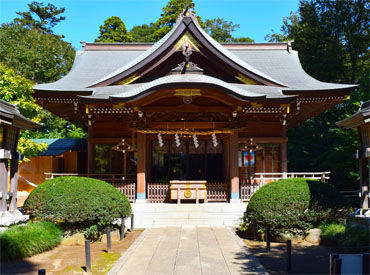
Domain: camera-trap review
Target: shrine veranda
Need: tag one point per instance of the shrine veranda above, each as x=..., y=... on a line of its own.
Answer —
x=188, y=108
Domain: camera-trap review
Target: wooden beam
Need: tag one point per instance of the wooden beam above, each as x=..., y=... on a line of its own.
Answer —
x=188, y=108
x=263, y=139
x=187, y=125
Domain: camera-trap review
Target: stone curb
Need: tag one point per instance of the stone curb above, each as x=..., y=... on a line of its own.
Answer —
x=258, y=266
x=122, y=260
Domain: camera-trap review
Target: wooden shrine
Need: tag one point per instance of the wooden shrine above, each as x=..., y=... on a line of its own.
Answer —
x=188, y=109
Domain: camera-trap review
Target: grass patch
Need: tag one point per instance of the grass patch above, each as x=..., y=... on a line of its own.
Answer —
x=348, y=238
x=24, y=241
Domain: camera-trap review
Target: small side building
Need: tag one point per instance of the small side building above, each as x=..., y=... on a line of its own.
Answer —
x=64, y=155
x=11, y=123
x=361, y=122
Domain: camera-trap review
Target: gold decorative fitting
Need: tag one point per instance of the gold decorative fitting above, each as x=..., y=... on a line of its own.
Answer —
x=255, y=105
x=347, y=97
x=188, y=38
x=187, y=92
x=188, y=194
x=245, y=79
x=129, y=79
x=87, y=109
x=118, y=106
x=286, y=107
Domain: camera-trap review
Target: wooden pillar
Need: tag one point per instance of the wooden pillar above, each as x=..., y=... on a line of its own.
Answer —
x=283, y=153
x=90, y=151
x=226, y=156
x=14, y=180
x=234, y=168
x=141, y=161
x=364, y=182
x=3, y=184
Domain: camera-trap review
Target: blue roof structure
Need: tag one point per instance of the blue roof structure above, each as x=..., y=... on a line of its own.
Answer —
x=58, y=146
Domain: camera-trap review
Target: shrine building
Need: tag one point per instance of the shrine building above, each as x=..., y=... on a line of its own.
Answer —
x=188, y=110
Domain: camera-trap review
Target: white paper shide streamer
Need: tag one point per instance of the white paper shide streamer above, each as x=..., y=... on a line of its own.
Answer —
x=177, y=139
x=160, y=140
x=195, y=139
x=214, y=139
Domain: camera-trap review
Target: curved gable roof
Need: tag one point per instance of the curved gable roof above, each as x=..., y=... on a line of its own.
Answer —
x=185, y=23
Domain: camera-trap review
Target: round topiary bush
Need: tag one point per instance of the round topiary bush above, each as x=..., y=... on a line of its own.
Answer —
x=294, y=206
x=77, y=202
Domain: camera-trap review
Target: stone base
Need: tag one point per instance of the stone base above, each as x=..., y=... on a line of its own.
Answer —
x=11, y=218
x=235, y=201
x=141, y=201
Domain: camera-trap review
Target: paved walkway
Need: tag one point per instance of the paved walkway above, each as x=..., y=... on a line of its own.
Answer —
x=188, y=250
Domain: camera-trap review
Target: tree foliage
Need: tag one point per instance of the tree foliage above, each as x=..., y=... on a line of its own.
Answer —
x=29, y=53
x=332, y=40
x=113, y=30
x=218, y=28
x=40, y=17
x=16, y=89
x=40, y=57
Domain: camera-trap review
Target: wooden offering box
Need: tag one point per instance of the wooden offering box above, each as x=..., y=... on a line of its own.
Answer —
x=188, y=190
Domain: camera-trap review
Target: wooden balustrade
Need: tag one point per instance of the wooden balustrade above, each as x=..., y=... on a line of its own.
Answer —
x=247, y=189
x=158, y=192
x=218, y=191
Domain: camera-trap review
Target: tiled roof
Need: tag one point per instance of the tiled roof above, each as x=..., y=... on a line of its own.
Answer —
x=58, y=146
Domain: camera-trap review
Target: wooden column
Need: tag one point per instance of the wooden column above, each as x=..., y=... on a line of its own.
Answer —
x=141, y=161
x=234, y=168
x=3, y=184
x=14, y=180
x=226, y=156
x=364, y=182
x=283, y=153
x=90, y=151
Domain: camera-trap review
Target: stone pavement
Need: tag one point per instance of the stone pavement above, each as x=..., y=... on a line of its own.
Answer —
x=188, y=250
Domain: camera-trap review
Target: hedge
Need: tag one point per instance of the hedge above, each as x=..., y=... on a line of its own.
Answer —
x=24, y=241
x=294, y=205
x=77, y=202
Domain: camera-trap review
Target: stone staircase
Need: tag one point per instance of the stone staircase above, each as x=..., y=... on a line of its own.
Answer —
x=168, y=214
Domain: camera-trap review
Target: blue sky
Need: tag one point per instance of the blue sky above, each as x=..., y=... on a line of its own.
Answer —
x=83, y=17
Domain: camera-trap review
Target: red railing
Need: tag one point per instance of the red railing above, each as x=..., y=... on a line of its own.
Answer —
x=218, y=191
x=126, y=186
x=247, y=189
x=158, y=192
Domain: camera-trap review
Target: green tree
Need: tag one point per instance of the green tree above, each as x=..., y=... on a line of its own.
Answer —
x=113, y=30
x=16, y=89
x=143, y=33
x=40, y=57
x=242, y=39
x=332, y=40
x=40, y=17
x=220, y=29
x=169, y=15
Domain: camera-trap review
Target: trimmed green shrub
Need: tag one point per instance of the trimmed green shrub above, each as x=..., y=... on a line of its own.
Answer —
x=350, y=238
x=77, y=202
x=331, y=233
x=24, y=241
x=294, y=206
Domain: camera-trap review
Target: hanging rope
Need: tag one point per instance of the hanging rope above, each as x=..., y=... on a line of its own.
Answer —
x=185, y=132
